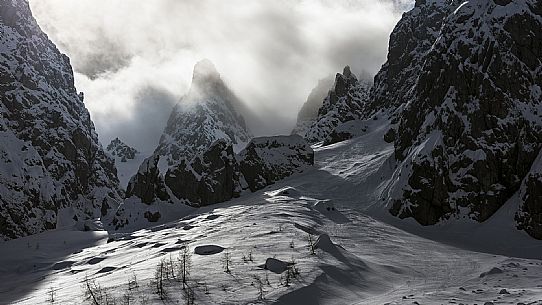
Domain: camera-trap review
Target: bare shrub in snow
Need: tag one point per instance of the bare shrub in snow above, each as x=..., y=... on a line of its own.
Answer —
x=132, y=282
x=51, y=295
x=189, y=295
x=184, y=265
x=310, y=245
x=259, y=286
x=159, y=277
x=95, y=294
x=226, y=261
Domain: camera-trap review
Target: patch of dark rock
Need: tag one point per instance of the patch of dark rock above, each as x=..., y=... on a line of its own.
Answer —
x=62, y=265
x=213, y=217
x=95, y=260
x=188, y=227
x=180, y=241
x=504, y=291
x=141, y=245
x=493, y=271
x=208, y=250
x=158, y=245
x=118, y=237
x=106, y=269
x=275, y=265
x=152, y=217
x=75, y=271
x=171, y=249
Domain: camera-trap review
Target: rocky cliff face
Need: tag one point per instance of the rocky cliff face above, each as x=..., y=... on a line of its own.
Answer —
x=50, y=157
x=267, y=160
x=148, y=184
x=121, y=151
x=207, y=113
x=309, y=111
x=344, y=102
x=218, y=174
x=209, y=178
x=529, y=215
x=214, y=176
x=410, y=41
x=470, y=126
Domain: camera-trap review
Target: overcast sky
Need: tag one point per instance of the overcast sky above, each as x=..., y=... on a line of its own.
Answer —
x=133, y=59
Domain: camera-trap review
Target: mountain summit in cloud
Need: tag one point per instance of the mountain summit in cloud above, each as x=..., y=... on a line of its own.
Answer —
x=208, y=112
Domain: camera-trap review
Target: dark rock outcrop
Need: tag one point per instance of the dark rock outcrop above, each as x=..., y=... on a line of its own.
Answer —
x=50, y=157
x=148, y=184
x=267, y=160
x=209, y=178
x=218, y=175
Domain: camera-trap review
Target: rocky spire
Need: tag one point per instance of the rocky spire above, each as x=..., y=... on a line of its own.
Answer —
x=208, y=112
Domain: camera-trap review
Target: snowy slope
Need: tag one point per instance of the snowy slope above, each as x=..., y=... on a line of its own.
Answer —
x=365, y=260
x=50, y=157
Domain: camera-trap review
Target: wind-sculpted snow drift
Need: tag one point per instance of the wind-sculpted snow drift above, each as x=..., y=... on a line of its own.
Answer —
x=50, y=157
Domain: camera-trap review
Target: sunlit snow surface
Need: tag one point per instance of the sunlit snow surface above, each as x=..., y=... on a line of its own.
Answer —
x=374, y=258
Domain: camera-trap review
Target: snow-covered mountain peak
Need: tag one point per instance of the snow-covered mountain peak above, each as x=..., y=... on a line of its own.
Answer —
x=208, y=112
x=205, y=72
x=121, y=150
x=344, y=102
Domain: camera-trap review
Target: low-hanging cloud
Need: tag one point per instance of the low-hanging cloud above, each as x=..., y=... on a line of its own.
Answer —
x=134, y=59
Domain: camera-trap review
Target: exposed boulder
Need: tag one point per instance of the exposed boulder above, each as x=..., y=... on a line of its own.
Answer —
x=267, y=160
